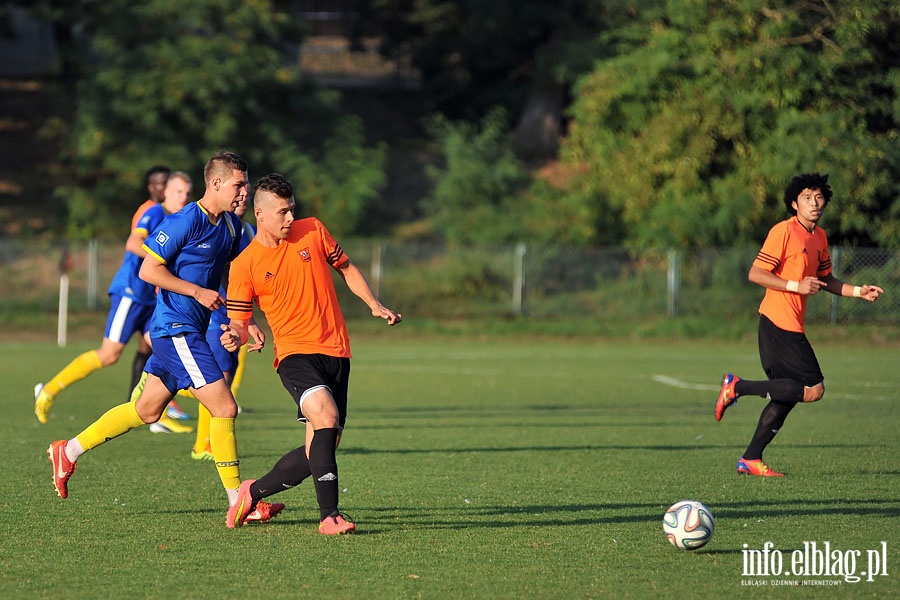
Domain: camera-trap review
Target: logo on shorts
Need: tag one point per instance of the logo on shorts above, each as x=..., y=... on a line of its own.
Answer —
x=162, y=238
x=269, y=275
x=305, y=255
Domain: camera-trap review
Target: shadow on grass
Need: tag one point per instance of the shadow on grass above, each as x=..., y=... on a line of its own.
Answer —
x=361, y=451
x=567, y=515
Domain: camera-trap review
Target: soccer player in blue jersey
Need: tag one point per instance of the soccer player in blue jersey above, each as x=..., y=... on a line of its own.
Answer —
x=131, y=301
x=156, y=180
x=231, y=362
x=186, y=258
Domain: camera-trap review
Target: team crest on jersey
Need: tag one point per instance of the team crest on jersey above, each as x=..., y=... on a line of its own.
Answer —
x=305, y=255
x=162, y=238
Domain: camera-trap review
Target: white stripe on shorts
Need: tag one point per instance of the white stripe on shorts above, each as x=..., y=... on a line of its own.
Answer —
x=187, y=359
x=118, y=322
x=311, y=390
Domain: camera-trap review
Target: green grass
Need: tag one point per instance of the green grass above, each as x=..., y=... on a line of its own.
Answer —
x=490, y=468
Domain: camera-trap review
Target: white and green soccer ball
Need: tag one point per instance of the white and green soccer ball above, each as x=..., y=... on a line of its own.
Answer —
x=688, y=525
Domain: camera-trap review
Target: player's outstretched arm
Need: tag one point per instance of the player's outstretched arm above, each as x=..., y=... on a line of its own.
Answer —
x=359, y=285
x=839, y=288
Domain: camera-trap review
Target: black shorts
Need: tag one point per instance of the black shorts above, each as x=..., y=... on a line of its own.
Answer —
x=787, y=354
x=305, y=373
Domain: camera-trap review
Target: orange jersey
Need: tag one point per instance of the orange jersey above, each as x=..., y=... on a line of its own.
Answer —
x=148, y=204
x=791, y=252
x=292, y=285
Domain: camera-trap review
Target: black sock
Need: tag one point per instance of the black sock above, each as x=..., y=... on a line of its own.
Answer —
x=323, y=464
x=290, y=470
x=785, y=390
x=770, y=421
x=137, y=369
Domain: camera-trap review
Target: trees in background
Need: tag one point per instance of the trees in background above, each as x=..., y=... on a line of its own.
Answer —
x=695, y=114
x=677, y=122
x=692, y=130
x=170, y=82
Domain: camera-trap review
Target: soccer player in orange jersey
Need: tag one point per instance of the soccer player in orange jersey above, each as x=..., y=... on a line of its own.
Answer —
x=793, y=264
x=286, y=269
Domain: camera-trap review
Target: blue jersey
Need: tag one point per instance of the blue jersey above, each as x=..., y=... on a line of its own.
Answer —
x=220, y=315
x=126, y=281
x=194, y=250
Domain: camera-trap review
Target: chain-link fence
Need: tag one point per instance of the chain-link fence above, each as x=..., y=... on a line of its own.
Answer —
x=431, y=280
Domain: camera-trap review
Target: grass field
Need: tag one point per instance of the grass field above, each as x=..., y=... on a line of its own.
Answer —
x=492, y=468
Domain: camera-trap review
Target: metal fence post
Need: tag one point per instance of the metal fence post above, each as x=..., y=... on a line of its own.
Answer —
x=93, y=262
x=674, y=282
x=377, y=250
x=519, y=279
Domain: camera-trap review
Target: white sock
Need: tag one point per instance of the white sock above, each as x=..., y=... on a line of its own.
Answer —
x=74, y=450
x=232, y=496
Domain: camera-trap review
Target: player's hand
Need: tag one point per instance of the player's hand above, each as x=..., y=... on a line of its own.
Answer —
x=230, y=339
x=387, y=314
x=259, y=337
x=810, y=286
x=209, y=298
x=870, y=292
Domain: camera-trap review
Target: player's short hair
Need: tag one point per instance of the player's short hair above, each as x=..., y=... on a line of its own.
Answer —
x=222, y=164
x=154, y=170
x=277, y=184
x=811, y=181
x=182, y=176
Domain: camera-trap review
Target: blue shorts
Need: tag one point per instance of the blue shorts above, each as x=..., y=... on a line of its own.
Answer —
x=183, y=361
x=125, y=317
x=227, y=361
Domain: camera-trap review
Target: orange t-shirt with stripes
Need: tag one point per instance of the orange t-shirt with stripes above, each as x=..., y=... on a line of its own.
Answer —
x=791, y=252
x=292, y=284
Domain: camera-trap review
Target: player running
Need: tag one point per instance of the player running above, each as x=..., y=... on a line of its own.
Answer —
x=287, y=271
x=793, y=264
x=186, y=258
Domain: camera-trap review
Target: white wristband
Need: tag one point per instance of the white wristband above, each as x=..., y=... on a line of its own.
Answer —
x=792, y=286
x=857, y=291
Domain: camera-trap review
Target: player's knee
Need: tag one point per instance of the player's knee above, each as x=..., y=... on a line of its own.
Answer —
x=814, y=393
x=109, y=356
x=320, y=413
x=148, y=414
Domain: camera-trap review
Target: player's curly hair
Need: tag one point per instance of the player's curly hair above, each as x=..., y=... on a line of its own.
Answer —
x=812, y=181
x=277, y=184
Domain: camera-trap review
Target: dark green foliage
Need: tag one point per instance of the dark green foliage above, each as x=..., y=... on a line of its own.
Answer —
x=475, y=55
x=477, y=190
x=171, y=82
x=709, y=108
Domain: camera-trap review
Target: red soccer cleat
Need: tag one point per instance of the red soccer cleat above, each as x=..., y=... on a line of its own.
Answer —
x=756, y=467
x=62, y=467
x=727, y=395
x=336, y=525
x=237, y=512
x=264, y=511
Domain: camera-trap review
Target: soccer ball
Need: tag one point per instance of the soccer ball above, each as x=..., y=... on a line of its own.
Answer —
x=688, y=525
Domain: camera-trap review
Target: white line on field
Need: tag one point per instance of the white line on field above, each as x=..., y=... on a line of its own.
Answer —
x=666, y=380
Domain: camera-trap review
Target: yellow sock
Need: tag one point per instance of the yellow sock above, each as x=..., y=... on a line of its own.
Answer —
x=116, y=421
x=78, y=369
x=139, y=388
x=203, y=418
x=239, y=371
x=185, y=394
x=224, y=449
